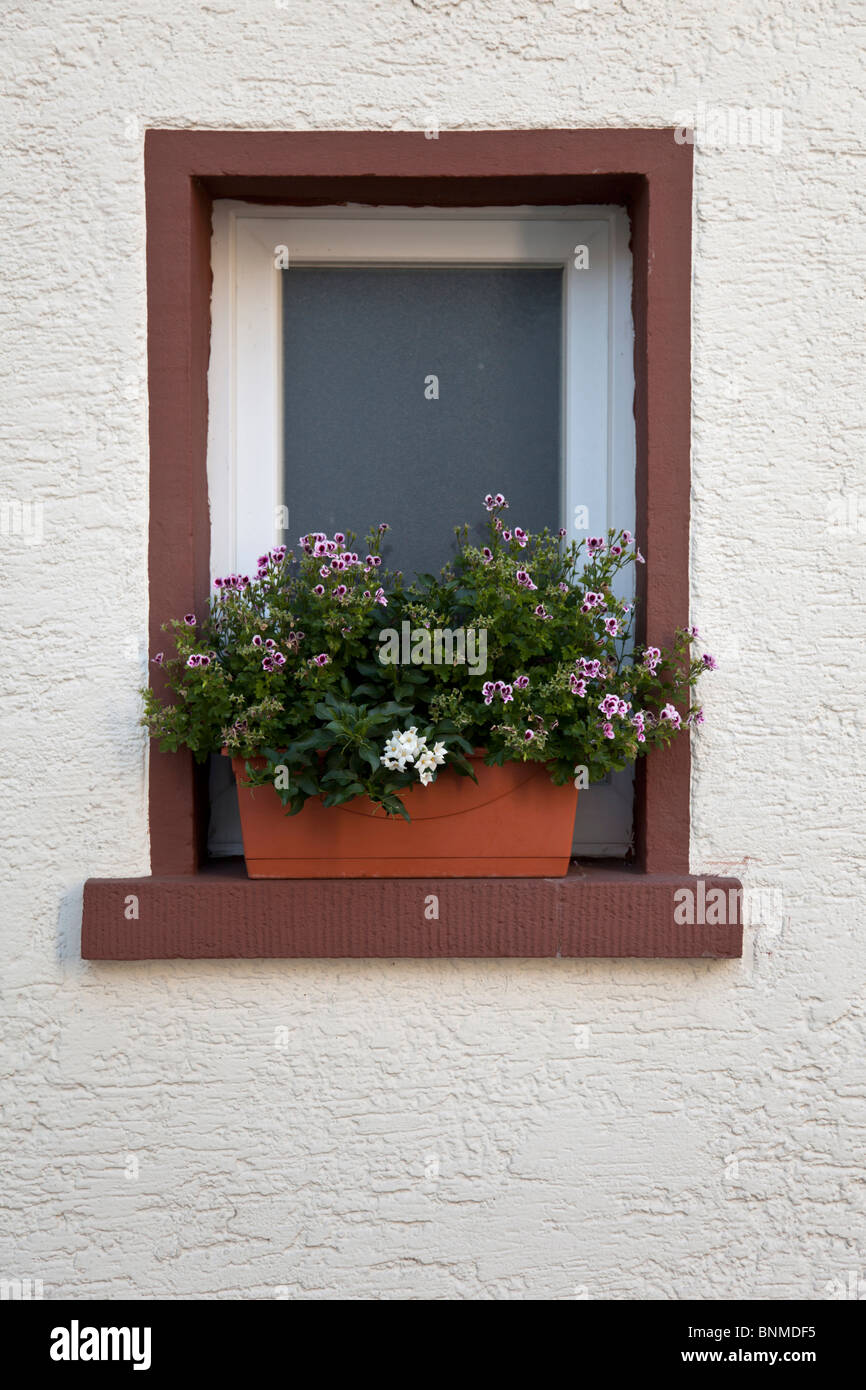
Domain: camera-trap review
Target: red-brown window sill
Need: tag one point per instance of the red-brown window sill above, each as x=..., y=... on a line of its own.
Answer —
x=595, y=911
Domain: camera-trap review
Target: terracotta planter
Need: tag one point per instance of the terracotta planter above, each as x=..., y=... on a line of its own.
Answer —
x=514, y=823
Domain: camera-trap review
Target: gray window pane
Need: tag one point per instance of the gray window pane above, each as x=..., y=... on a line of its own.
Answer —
x=363, y=444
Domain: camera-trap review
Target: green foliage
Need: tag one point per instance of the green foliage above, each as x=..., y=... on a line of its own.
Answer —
x=288, y=668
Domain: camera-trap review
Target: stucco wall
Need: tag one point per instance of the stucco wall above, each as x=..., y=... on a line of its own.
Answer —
x=445, y=1129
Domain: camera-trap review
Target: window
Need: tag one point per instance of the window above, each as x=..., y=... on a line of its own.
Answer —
x=189, y=907
x=397, y=364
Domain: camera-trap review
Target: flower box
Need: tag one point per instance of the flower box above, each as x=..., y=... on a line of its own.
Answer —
x=511, y=823
x=364, y=734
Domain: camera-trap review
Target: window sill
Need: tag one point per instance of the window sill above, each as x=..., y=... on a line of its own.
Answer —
x=219, y=913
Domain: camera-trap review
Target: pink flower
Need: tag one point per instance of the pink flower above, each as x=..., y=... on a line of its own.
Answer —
x=595, y=543
x=380, y=598
x=651, y=657
x=279, y=659
x=529, y=735
x=520, y=536
x=339, y=591
x=506, y=692
x=487, y=554
x=607, y=730
x=322, y=659
x=540, y=611
x=267, y=663
x=339, y=537
x=524, y=580
x=578, y=687
x=611, y=626
x=521, y=682
x=710, y=663
x=640, y=559
x=670, y=714
x=609, y=705
x=591, y=669
x=257, y=641
x=488, y=690
x=189, y=619
x=159, y=659
x=319, y=589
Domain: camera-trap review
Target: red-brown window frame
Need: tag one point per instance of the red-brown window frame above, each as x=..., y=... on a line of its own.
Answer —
x=649, y=173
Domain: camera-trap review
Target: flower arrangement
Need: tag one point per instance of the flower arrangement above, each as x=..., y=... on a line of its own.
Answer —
x=294, y=668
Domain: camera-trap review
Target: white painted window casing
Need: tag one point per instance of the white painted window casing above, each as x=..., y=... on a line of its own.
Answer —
x=245, y=466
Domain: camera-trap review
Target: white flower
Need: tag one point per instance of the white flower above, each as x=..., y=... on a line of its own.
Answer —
x=425, y=775
x=439, y=753
x=394, y=754
x=410, y=743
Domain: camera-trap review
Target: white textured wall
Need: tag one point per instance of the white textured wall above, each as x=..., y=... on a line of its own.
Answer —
x=647, y=1129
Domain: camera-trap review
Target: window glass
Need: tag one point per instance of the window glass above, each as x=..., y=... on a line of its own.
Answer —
x=411, y=393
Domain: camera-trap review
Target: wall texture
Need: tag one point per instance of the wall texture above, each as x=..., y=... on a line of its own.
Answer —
x=442, y=1130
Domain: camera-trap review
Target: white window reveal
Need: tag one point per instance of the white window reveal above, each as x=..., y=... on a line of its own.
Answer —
x=398, y=364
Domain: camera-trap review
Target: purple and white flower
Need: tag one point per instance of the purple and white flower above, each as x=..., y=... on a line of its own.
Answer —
x=671, y=716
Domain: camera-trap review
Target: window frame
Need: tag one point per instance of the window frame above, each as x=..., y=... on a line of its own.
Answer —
x=185, y=909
